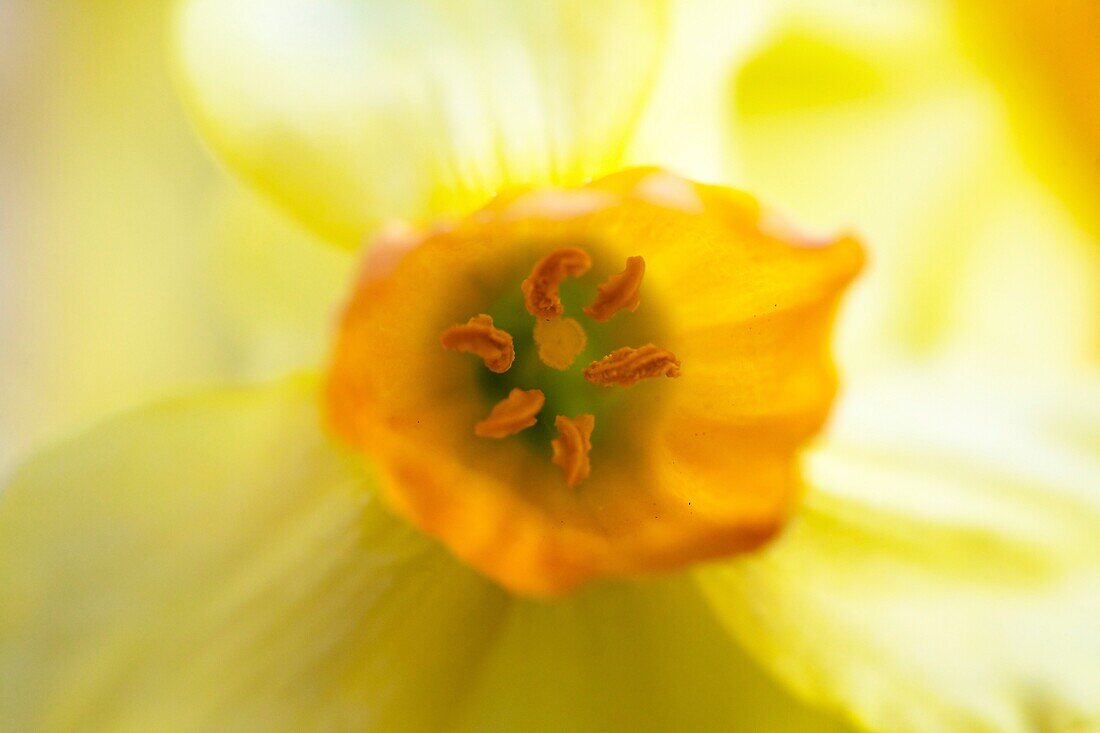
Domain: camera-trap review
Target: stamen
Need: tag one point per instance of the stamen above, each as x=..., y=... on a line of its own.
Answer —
x=620, y=291
x=572, y=445
x=540, y=289
x=560, y=340
x=627, y=366
x=478, y=336
x=514, y=413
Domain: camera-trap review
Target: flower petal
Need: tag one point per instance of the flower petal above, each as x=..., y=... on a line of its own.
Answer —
x=685, y=126
x=213, y=564
x=969, y=253
x=945, y=572
x=693, y=467
x=103, y=255
x=629, y=657
x=1043, y=56
x=125, y=250
x=351, y=112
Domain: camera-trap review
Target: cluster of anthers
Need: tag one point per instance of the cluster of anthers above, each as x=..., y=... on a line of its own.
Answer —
x=560, y=340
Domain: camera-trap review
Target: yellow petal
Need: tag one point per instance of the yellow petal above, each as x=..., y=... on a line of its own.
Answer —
x=1044, y=58
x=1025, y=294
x=638, y=657
x=698, y=466
x=116, y=281
x=213, y=564
x=272, y=288
x=945, y=572
x=102, y=254
x=851, y=103
x=969, y=253
x=800, y=71
x=685, y=126
x=352, y=112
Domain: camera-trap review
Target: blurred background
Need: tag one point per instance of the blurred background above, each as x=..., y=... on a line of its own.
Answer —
x=130, y=265
x=961, y=141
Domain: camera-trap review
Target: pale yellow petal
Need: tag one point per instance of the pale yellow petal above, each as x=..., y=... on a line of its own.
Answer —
x=1043, y=58
x=685, y=125
x=272, y=293
x=352, y=112
x=102, y=208
x=130, y=265
x=879, y=123
x=628, y=657
x=944, y=574
x=213, y=563
x=1021, y=294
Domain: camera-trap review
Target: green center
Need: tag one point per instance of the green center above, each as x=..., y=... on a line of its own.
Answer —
x=566, y=391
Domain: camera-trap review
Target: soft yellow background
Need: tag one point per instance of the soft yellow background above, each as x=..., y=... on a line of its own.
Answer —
x=954, y=480
x=130, y=264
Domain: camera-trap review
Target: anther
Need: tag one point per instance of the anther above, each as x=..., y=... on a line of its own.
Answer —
x=514, y=413
x=620, y=291
x=572, y=446
x=627, y=366
x=478, y=336
x=540, y=289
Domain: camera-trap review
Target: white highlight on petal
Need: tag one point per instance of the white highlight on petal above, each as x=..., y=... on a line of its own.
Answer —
x=780, y=227
x=669, y=191
x=388, y=247
x=559, y=205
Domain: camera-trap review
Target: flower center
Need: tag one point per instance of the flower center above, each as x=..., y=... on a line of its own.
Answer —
x=559, y=340
x=609, y=380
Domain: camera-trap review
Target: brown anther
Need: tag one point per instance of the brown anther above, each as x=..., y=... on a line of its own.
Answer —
x=540, y=289
x=620, y=291
x=627, y=366
x=478, y=336
x=514, y=413
x=572, y=445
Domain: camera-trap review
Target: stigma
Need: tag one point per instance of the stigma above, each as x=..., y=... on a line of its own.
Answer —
x=560, y=340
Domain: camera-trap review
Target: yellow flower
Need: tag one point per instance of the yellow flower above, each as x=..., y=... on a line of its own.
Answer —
x=205, y=285
x=876, y=117
x=695, y=400
x=1044, y=55
x=221, y=562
